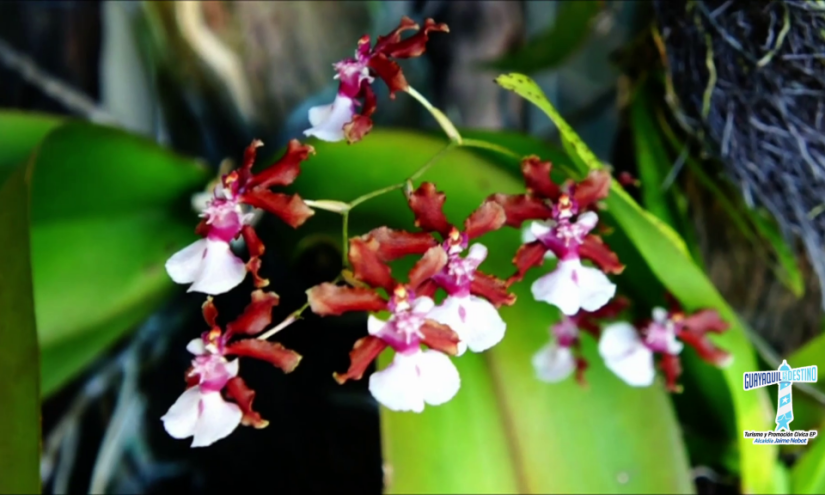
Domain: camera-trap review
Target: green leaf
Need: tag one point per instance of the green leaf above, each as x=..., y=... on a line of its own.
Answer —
x=103, y=225
x=808, y=474
x=21, y=132
x=505, y=432
x=671, y=263
x=549, y=49
x=20, y=410
x=788, y=270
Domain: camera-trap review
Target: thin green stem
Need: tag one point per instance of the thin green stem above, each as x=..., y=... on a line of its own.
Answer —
x=418, y=173
x=477, y=143
x=445, y=123
x=360, y=199
x=345, y=239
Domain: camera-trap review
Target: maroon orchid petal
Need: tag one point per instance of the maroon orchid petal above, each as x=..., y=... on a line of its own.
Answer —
x=595, y=250
x=256, y=250
x=357, y=128
x=390, y=72
x=210, y=312
x=370, y=101
x=672, y=368
x=395, y=244
x=191, y=378
x=366, y=264
x=706, y=320
x=239, y=392
x=627, y=180
x=329, y=299
x=594, y=188
x=394, y=36
x=527, y=256
x=203, y=228
x=673, y=304
x=431, y=263
x=257, y=315
x=427, y=288
x=413, y=46
x=612, y=309
x=706, y=349
x=537, y=178
x=581, y=367
x=521, y=207
x=250, y=153
x=363, y=353
x=286, y=170
x=289, y=208
x=271, y=352
x=427, y=205
x=488, y=217
x=491, y=288
x=440, y=337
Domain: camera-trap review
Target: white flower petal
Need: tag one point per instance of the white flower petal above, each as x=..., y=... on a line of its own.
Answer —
x=196, y=347
x=595, y=289
x=559, y=289
x=660, y=315
x=183, y=267
x=587, y=220
x=398, y=386
x=423, y=304
x=528, y=237
x=220, y=271
x=553, y=363
x=182, y=418
x=478, y=252
x=439, y=377
x=218, y=419
x=374, y=325
x=625, y=355
x=328, y=121
x=540, y=229
x=232, y=367
x=476, y=321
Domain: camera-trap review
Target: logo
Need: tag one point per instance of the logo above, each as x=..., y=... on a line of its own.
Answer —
x=784, y=377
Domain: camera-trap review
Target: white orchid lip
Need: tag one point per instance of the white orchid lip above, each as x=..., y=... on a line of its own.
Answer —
x=328, y=121
x=415, y=378
x=572, y=287
x=626, y=355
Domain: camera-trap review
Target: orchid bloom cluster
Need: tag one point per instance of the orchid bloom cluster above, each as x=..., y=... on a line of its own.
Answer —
x=444, y=306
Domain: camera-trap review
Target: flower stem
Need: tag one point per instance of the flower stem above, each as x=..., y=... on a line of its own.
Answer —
x=418, y=173
x=345, y=239
x=442, y=119
x=477, y=143
x=289, y=320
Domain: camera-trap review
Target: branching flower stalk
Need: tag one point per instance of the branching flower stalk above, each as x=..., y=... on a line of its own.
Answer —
x=558, y=221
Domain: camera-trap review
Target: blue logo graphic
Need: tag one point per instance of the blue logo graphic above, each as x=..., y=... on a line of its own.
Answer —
x=784, y=377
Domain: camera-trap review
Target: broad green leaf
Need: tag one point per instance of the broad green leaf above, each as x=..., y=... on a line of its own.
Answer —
x=671, y=263
x=808, y=474
x=21, y=132
x=549, y=49
x=19, y=395
x=103, y=225
x=788, y=271
x=505, y=432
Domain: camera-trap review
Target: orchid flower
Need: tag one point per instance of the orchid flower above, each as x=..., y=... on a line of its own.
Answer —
x=339, y=120
x=629, y=352
x=416, y=377
x=560, y=357
x=564, y=228
x=209, y=264
x=202, y=411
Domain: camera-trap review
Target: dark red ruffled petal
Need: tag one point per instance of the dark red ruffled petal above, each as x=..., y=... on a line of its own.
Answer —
x=431, y=263
x=413, y=46
x=595, y=250
x=271, y=352
x=191, y=378
x=250, y=153
x=370, y=101
x=527, y=256
x=210, y=312
x=427, y=205
x=256, y=250
x=395, y=244
x=329, y=299
x=363, y=353
x=706, y=320
x=488, y=217
x=239, y=392
x=612, y=309
x=440, y=337
x=427, y=288
x=357, y=128
x=492, y=288
x=581, y=367
x=366, y=264
x=390, y=72
x=286, y=170
x=289, y=208
x=256, y=316
x=594, y=188
x=537, y=178
x=394, y=36
x=521, y=207
x=706, y=349
x=203, y=228
x=627, y=180
x=672, y=368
